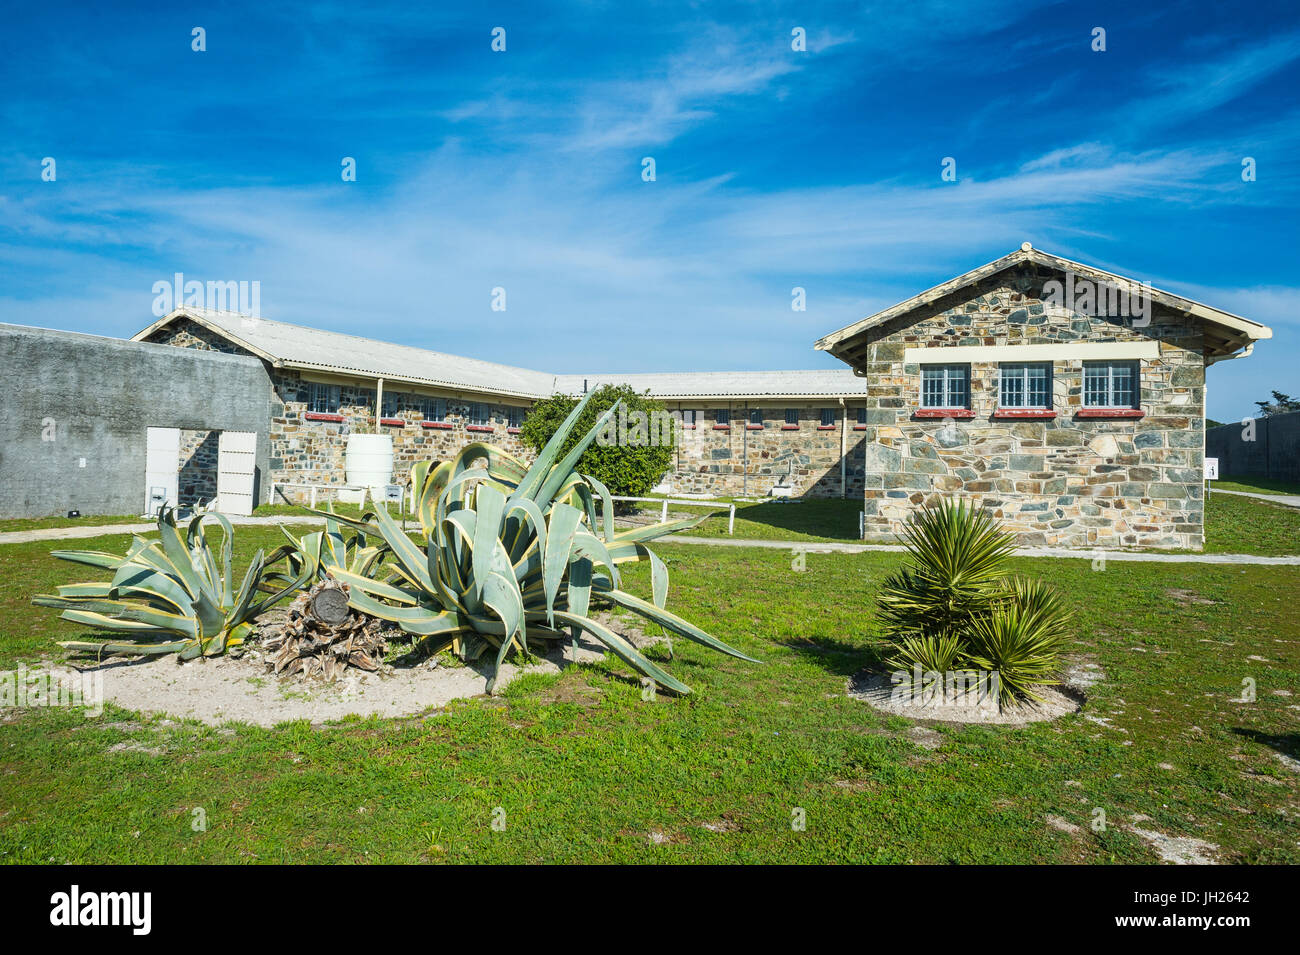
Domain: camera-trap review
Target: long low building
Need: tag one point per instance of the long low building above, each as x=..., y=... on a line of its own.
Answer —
x=742, y=432
x=1068, y=400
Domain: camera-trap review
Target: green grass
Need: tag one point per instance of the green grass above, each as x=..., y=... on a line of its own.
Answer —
x=1248, y=525
x=586, y=772
x=1256, y=485
x=264, y=510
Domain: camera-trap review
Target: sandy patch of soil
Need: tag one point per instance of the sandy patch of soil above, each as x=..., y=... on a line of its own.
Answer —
x=1179, y=850
x=226, y=689
x=877, y=689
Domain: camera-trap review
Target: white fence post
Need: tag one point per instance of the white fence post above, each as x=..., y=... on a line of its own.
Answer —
x=731, y=522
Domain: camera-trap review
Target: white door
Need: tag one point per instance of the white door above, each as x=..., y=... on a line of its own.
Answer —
x=236, y=469
x=162, y=461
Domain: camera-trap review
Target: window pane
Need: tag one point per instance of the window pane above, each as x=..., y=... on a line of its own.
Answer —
x=1013, y=386
x=791, y=415
x=1122, y=386
x=932, y=378
x=755, y=415
x=1096, y=385
x=1038, y=385
x=957, y=386
x=862, y=416
x=722, y=416
x=828, y=416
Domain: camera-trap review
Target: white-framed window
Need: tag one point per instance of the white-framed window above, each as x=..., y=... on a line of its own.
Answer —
x=514, y=416
x=1025, y=385
x=393, y=404
x=688, y=417
x=755, y=415
x=828, y=417
x=1110, y=384
x=722, y=416
x=479, y=413
x=791, y=415
x=323, y=398
x=945, y=386
x=433, y=409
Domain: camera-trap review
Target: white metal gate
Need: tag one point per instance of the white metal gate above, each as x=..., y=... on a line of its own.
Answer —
x=236, y=470
x=162, y=461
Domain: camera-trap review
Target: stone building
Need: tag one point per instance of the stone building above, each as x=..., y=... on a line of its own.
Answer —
x=1069, y=400
x=799, y=432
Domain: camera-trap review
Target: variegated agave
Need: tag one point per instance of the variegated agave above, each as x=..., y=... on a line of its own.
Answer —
x=320, y=553
x=514, y=552
x=170, y=594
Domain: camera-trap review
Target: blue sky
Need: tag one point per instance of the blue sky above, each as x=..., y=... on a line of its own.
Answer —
x=522, y=169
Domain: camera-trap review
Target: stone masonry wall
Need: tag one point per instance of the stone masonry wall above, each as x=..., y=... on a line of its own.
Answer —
x=1069, y=481
x=742, y=458
x=313, y=451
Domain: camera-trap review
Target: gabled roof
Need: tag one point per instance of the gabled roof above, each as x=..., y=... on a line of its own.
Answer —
x=308, y=349
x=1225, y=333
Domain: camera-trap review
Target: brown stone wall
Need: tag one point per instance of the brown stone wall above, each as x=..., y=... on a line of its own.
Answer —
x=314, y=452
x=1068, y=481
x=747, y=460
x=196, y=479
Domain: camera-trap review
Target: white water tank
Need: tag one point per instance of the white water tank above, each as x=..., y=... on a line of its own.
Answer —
x=368, y=461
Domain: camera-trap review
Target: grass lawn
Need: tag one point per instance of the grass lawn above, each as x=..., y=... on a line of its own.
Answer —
x=585, y=771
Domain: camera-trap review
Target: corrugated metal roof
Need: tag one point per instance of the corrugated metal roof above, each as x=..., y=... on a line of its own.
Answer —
x=310, y=348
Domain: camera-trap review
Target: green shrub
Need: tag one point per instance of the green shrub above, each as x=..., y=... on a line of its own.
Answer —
x=954, y=604
x=628, y=468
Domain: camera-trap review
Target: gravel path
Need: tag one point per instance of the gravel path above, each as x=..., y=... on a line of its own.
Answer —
x=1289, y=500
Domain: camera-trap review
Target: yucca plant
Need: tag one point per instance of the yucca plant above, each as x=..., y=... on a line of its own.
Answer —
x=1019, y=644
x=957, y=557
x=172, y=595
x=954, y=605
x=513, y=552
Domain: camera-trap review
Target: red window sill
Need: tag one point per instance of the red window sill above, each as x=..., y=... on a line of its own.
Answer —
x=479, y=427
x=1023, y=413
x=322, y=416
x=789, y=427
x=753, y=427
x=689, y=427
x=722, y=427
x=943, y=413
x=860, y=427
x=440, y=425
x=826, y=427
x=1110, y=413
x=393, y=422
x=513, y=430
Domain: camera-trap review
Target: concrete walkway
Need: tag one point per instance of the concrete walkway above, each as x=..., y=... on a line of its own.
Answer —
x=102, y=530
x=1116, y=556
x=75, y=533
x=1290, y=500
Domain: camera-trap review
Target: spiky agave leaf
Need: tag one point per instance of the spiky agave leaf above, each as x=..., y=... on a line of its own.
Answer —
x=172, y=594
x=510, y=550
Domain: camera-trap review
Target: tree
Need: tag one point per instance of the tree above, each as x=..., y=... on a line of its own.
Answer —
x=632, y=454
x=1280, y=404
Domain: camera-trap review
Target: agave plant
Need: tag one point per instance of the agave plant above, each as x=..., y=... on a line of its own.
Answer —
x=321, y=553
x=172, y=595
x=513, y=552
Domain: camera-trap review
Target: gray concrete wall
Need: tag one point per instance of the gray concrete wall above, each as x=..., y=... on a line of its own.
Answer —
x=95, y=397
x=1273, y=453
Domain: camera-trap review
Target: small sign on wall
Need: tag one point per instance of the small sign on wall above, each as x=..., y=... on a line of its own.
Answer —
x=1211, y=469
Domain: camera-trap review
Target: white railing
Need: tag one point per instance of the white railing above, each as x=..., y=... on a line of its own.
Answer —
x=313, y=488
x=698, y=502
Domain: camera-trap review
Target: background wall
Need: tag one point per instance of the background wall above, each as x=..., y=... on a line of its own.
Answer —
x=94, y=397
x=1274, y=452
